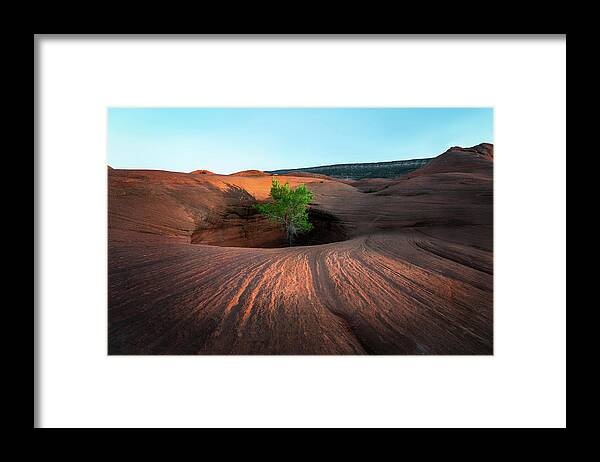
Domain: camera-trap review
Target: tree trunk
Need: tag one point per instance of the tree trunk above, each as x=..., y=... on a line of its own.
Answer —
x=288, y=231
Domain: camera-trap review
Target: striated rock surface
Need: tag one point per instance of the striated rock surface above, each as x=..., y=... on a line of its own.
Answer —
x=406, y=267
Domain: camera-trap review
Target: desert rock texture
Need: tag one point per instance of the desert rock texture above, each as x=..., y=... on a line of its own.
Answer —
x=393, y=266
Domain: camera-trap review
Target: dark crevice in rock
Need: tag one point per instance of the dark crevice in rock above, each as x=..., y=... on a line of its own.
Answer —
x=244, y=226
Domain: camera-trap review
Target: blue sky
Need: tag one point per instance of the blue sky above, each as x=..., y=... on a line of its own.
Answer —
x=228, y=140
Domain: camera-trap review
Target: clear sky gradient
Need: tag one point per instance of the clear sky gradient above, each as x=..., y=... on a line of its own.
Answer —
x=229, y=140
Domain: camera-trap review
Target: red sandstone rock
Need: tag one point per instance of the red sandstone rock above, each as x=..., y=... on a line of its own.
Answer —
x=250, y=173
x=414, y=275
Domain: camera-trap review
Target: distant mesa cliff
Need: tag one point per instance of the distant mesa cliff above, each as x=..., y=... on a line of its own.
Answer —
x=454, y=159
x=391, y=169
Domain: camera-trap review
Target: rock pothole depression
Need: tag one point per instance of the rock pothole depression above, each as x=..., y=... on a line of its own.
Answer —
x=244, y=226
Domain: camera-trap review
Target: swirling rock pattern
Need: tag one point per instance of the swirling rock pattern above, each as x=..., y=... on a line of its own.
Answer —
x=188, y=273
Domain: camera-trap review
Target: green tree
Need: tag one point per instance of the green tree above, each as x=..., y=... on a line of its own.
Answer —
x=288, y=208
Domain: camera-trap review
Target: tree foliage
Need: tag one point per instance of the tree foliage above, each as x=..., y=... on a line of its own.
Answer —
x=289, y=208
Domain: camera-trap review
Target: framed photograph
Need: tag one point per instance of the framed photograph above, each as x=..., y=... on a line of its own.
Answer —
x=352, y=230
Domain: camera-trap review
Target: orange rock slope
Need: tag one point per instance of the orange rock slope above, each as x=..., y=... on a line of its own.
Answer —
x=194, y=270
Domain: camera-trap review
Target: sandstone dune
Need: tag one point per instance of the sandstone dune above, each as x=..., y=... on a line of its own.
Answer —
x=394, y=266
x=249, y=173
